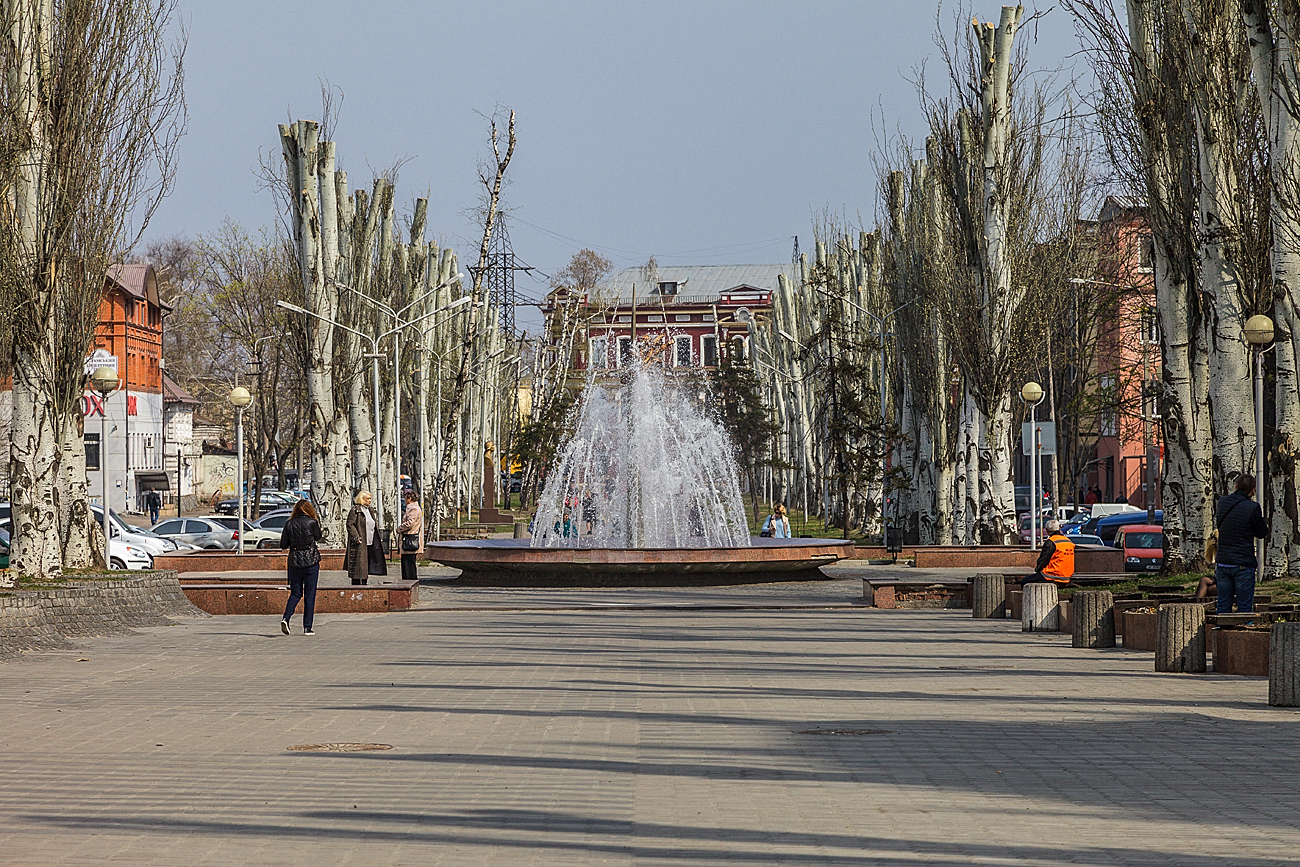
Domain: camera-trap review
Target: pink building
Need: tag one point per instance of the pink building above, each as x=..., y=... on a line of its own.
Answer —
x=694, y=315
x=1128, y=355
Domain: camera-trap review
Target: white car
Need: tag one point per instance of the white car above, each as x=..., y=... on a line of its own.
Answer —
x=121, y=555
x=137, y=536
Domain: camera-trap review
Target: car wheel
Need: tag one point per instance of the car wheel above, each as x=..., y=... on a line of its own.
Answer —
x=115, y=563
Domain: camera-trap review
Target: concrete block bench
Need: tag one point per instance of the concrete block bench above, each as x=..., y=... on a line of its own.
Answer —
x=262, y=598
x=916, y=594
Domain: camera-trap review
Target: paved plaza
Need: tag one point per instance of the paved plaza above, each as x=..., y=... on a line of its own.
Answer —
x=730, y=726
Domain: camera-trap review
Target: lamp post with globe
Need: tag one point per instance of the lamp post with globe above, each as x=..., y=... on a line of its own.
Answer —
x=240, y=398
x=1258, y=332
x=1032, y=394
x=105, y=381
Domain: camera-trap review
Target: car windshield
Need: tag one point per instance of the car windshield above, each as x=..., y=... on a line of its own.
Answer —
x=1144, y=540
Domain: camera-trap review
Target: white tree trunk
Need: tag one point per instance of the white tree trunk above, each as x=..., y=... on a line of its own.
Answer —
x=74, y=507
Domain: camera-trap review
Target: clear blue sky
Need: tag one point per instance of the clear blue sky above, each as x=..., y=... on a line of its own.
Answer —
x=697, y=132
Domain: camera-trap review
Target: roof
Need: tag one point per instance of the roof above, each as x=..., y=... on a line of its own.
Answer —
x=1114, y=205
x=696, y=284
x=173, y=393
x=138, y=281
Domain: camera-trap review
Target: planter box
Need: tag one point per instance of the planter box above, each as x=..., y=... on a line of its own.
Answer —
x=1065, y=616
x=1123, y=605
x=331, y=559
x=1241, y=651
x=265, y=599
x=1139, y=631
x=915, y=594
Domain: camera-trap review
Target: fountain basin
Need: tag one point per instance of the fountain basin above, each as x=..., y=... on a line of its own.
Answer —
x=514, y=563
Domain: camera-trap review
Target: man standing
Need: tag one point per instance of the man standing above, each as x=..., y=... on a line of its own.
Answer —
x=1240, y=522
x=1056, y=560
x=155, y=503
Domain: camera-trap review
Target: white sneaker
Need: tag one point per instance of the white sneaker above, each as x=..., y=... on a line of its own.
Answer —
x=284, y=626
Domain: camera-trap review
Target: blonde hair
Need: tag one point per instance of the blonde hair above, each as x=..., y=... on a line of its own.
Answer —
x=359, y=497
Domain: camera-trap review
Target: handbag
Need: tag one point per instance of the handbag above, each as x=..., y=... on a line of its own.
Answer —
x=410, y=542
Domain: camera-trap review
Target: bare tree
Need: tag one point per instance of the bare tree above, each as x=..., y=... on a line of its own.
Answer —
x=90, y=116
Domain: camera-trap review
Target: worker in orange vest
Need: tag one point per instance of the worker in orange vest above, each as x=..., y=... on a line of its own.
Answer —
x=1056, y=560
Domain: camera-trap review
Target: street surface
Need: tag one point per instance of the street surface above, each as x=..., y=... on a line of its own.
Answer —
x=711, y=726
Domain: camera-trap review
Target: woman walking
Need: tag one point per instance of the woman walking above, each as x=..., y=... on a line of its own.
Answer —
x=777, y=524
x=411, y=532
x=365, y=556
x=300, y=535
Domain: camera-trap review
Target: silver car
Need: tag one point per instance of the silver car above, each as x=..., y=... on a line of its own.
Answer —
x=198, y=531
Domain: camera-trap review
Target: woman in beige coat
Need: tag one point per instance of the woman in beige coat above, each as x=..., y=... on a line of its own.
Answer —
x=365, y=554
x=412, y=525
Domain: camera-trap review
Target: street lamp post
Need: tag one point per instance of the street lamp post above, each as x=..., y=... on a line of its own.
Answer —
x=239, y=398
x=374, y=355
x=104, y=380
x=1032, y=394
x=1259, y=333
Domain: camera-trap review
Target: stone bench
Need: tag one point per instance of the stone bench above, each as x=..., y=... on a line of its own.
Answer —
x=915, y=594
x=258, y=598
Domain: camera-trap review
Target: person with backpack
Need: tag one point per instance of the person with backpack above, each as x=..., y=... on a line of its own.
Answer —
x=1239, y=521
x=777, y=525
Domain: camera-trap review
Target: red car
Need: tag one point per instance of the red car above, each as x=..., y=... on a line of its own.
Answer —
x=1143, y=546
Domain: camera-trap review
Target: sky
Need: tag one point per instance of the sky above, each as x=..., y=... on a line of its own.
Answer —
x=695, y=132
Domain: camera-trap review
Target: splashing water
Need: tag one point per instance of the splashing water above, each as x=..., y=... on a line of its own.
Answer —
x=647, y=468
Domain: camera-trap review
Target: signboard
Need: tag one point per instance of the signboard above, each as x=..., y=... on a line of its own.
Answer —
x=1046, y=438
x=100, y=358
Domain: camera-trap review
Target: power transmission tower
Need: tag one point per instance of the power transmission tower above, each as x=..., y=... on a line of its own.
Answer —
x=500, y=275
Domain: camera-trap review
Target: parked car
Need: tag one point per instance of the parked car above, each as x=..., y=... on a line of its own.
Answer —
x=252, y=534
x=198, y=531
x=274, y=521
x=1143, y=546
x=1084, y=539
x=1025, y=531
x=1108, y=510
x=1108, y=526
x=268, y=501
x=1074, y=525
x=120, y=554
x=139, y=537
x=1022, y=499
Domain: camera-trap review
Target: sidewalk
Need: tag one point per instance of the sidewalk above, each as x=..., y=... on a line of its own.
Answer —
x=527, y=735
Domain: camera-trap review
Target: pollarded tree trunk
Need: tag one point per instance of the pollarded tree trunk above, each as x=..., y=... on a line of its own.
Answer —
x=1271, y=37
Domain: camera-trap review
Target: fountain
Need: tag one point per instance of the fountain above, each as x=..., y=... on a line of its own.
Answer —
x=645, y=491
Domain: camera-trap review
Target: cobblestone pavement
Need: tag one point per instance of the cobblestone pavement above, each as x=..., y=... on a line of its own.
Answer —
x=648, y=736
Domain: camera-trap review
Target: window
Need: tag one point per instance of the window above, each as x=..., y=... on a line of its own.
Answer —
x=623, y=319
x=655, y=317
x=197, y=527
x=709, y=317
x=169, y=528
x=668, y=287
x=709, y=349
x=1146, y=252
x=92, y=451
x=1109, y=421
x=683, y=345
x=1150, y=327
x=624, y=351
x=738, y=349
x=600, y=352
x=681, y=317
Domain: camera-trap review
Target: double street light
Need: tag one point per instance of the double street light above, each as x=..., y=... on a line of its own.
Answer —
x=374, y=355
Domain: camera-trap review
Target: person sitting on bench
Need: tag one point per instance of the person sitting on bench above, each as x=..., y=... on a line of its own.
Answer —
x=1056, y=560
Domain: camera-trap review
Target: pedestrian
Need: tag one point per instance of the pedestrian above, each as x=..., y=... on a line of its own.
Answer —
x=589, y=512
x=154, y=502
x=1093, y=497
x=365, y=554
x=1056, y=559
x=1239, y=522
x=777, y=524
x=300, y=534
x=411, y=532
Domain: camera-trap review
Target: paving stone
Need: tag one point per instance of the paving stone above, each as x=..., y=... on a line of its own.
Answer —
x=782, y=724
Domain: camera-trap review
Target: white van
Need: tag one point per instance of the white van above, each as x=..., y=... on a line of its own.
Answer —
x=1101, y=510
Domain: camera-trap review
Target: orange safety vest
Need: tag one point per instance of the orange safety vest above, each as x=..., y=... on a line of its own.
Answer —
x=1060, y=567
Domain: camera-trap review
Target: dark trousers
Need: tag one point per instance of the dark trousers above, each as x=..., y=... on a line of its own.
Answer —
x=1235, y=584
x=302, y=585
x=408, y=566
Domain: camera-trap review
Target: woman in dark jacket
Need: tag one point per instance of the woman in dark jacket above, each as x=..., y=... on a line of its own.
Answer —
x=301, y=533
x=365, y=554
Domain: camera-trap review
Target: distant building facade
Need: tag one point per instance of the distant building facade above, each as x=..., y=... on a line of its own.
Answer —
x=689, y=316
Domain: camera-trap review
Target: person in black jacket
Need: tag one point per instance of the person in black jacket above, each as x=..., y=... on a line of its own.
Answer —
x=301, y=533
x=1240, y=522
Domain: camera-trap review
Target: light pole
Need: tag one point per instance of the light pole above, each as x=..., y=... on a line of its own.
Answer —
x=240, y=398
x=104, y=380
x=374, y=355
x=1259, y=333
x=1032, y=394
